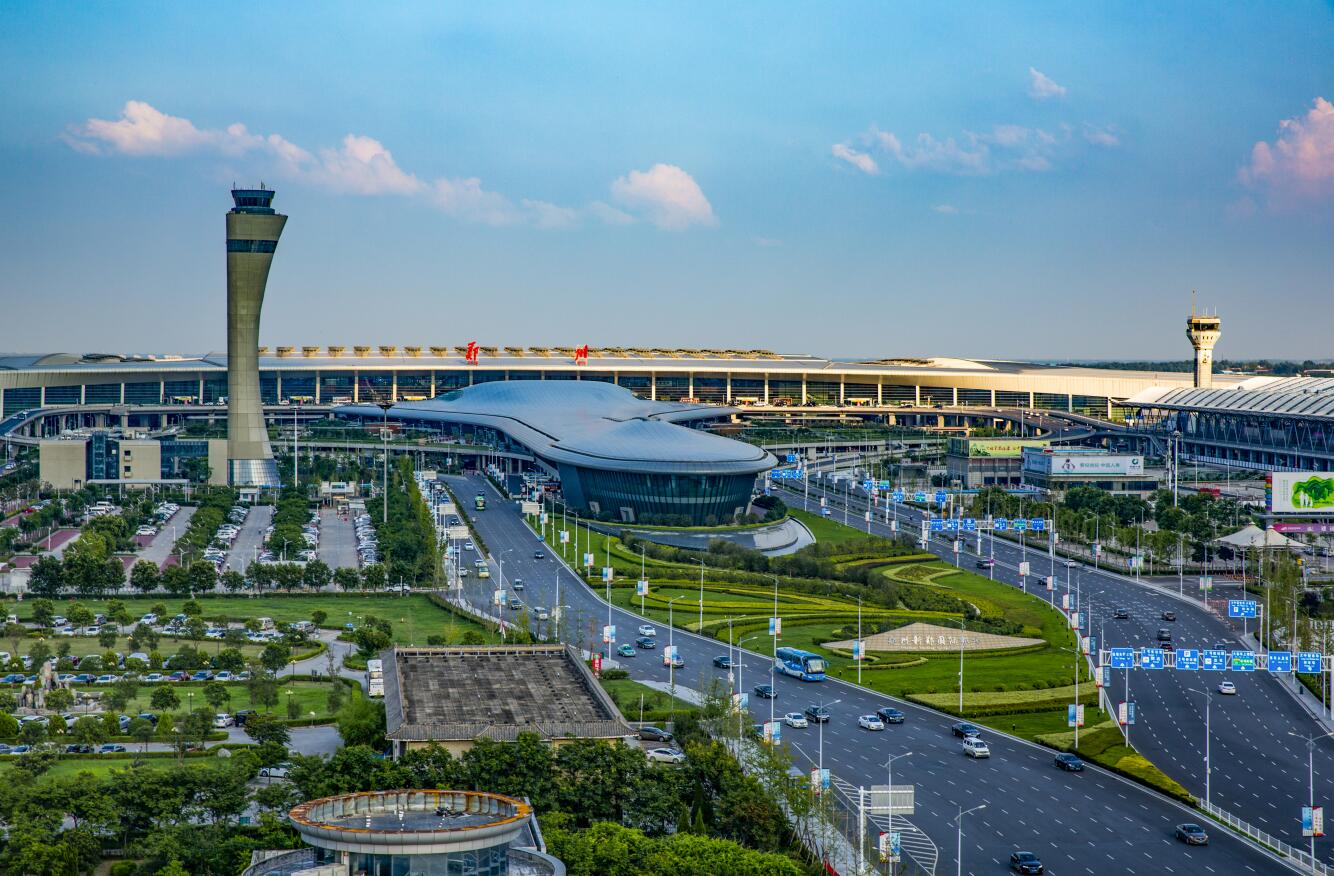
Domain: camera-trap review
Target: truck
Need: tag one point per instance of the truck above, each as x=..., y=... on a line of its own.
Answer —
x=375, y=678
x=479, y=502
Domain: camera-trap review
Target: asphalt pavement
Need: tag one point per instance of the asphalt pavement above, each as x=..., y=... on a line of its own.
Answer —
x=1259, y=766
x=250, y=541
x=160, y=547
x=1093, y=822
x=338, y=540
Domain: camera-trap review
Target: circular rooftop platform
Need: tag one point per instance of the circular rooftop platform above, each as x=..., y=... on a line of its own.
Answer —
x=411, y=821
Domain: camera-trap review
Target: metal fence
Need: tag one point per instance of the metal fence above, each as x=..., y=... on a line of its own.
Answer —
x=1297, y=856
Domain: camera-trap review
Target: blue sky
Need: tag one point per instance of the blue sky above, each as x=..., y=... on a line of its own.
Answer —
x=1019, y=180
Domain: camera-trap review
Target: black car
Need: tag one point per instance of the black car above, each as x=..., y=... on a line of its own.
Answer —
x=1069, y=763
x=242, y=716
x=1025, y=862
x=1192, y=835
x=538, y=555
x=1169, y=615
x=964, y=729
x=78, y=749
x=818, y=714
x=654, y=734
x=149, y=717
x=1121, y=614
x=648, y=643
x=890, y=716
x=764, y=691
x=1164, y=635
x=722, y=661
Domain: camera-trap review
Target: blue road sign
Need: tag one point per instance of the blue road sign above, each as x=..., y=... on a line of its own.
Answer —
x=1279, y=661
x=1037, y=524
x=1000, y=524
x=941, y=496
x=1019, y=524
x=1130, y=713
x=1241, y=608
x=952, y=525
x=970, y=524
x=1188, y=659
x=1243, y=661
x=937, y=524
x=897, y=496
x=884, y=485
x=1308, y=662
x=1213, y=661
x=868, y=486
x=792, y=457
x=1122, y=658
x=1152, y=658
x=919, y=496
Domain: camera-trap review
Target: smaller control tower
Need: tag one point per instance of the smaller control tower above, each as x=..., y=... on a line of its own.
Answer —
x=1203, y=332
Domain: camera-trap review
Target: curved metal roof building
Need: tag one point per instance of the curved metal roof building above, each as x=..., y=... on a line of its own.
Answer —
x=618, y=456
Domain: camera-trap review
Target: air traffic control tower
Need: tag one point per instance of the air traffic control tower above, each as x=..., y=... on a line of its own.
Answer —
x=1203, y=332
x=253, y=229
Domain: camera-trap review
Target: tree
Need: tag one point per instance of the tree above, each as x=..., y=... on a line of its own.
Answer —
x=373, y=577
x=346, y=578
x=203, y=577
x=141, y=731
x=111, y=576
x=266, y=728
x=47, y=577
x=232, y=581
x=43, y=610
x=176, y=580
x=316, y=575
x=318, y=617
x=230, y=659
x=145, y=577
x=192, y=608
x=89, y=730
x=15, y=633
x=80, y=615
x=361, y=721
x=60, y=699
x=116, y=612
x=164, y=699
x=144, y=637
x=275, y=656
x=217, y=694
x=106, y=637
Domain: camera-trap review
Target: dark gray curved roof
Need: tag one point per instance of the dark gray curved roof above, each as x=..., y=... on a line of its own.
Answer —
x=1308, y=397
x=588, y=423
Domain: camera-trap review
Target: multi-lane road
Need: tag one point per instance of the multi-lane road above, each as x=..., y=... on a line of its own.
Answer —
x=1090, y=823
x=1259, y=767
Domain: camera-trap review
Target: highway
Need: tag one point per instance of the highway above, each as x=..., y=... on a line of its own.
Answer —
x=1090, y=823
x=1259, y=771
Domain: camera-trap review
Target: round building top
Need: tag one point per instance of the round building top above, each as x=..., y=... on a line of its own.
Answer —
x=411, y=821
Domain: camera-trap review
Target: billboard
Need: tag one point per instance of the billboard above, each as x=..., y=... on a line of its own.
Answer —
x=997, y=448
x=1083, y=464
x=1301, y=492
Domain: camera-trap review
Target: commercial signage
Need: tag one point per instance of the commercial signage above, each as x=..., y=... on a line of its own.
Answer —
x=565, y=536
x=1313, y=821
x=1004, y=448
x=609, y=634
x=1125, y=713
x=588, y=561
x=1074, y=715
x=890, y=846
x=668, y=655
x=1024, y=569
x=1051, y=583
x=1300, y=492
x=499, y=597
x=1304, y=528
x=641, y=588
x=1083, y=464
x=773, y=732
x=775, y=626
x=1206, y=583
x=1104, y=676
x=597, y=665
x=858, y=650
x=819, y=780
x=607, y=573
x=1188, y=659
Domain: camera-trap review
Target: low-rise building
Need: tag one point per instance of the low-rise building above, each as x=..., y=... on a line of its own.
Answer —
x=75, y=461
x=455, y=696
x=974, y=463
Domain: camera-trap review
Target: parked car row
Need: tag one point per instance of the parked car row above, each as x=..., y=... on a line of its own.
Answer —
x=368, y=543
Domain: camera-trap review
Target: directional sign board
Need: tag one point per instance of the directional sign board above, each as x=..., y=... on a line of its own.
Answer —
x=1279, y=661
x=1000, y=524
x=937, y=525
x=1241, y=608
x=1308, y=662
x=1152, y=658
x=902, y=799
x=1188, y=659
x=897, y=496
x=1243, y=661
x=941, y=496
x=1122, y=658
x=1213, y=661
x=1037, y=524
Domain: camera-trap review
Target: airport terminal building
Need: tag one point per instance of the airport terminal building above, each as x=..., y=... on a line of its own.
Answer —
x=618, y=457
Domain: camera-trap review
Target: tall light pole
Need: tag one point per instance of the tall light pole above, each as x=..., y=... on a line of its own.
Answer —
x=1310, y=774
x=671, y=664
x=385, y=404
x=958, y=820
x=1208, y=762
x=741, y=675
x=700, y=628
x=823, y=706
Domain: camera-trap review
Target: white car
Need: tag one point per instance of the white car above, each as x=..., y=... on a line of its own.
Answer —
x=795, y=719
x=467, y=546
x=647, y=630
x=223, y=720
x=1227, y=687
x=870, y=722
x=666, y=755
x=974, y=747
x=145, y=530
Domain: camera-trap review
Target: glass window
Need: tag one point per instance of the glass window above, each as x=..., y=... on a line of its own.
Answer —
x=784, y=393
x=185, y=392
x=102, y=394
x=414, y=385
x=673, y=387
x=486, y=376
x=859, y=393
x=975, y=397
x=446, y=381
x=215, y=389
x=637, y=382
x=268, y=387
x=299, y=386
x=252, y=245
x=143, y=393
x=22, y=399
x=62, y=395
x=375, y=385
x=711, y=389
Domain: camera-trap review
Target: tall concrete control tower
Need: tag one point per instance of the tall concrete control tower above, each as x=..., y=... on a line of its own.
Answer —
x=1203, y=332
x=253, y=229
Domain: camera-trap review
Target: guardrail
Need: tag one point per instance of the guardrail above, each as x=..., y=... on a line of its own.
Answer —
x=1297, y=856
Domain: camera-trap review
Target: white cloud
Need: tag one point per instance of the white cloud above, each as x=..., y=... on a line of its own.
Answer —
x=946, y=209
x=765, y=242
x=1042, y=87
x=859, y=160
x=928, y=153
x=664, y=194
x=361, y=167
x=667, y=196
x=1299, y=165
x=1101, y=135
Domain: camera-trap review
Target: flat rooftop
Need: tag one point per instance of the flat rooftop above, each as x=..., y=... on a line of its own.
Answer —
x=496, y=692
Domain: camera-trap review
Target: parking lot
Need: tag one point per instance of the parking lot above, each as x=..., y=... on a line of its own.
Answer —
x=338, y=540
x=161, y=545
x=250, y=541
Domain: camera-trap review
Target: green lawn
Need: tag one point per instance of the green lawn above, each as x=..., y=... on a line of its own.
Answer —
x=310, y=696
x=829, y=530
x=103, y=764
x=656, y=705
x=414, y=617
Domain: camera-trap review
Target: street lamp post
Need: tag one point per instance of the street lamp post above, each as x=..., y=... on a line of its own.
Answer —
x=1310, y=775
x=958, y=820
x=823, y=706
x=1208, y=762
x=741, y=677
x=701, y=596
x=385, y=404
x=671, y=663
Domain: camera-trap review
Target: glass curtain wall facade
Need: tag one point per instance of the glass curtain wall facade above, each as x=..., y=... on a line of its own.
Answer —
x=481, y=862
x=648, y=498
